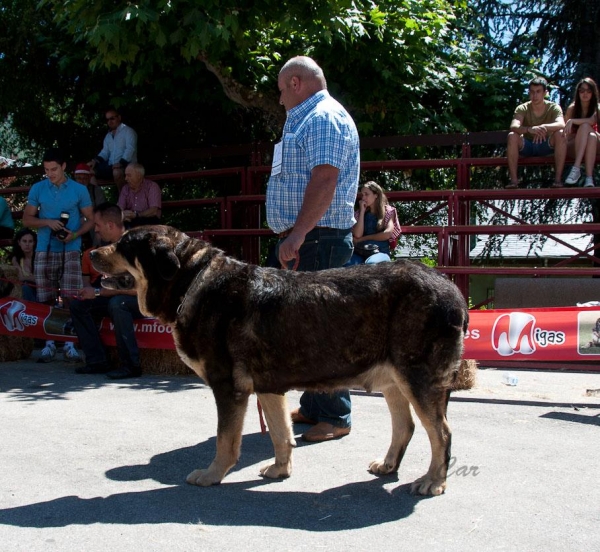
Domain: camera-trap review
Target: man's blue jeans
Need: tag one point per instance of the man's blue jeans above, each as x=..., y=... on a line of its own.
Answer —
x=325, y=248
x=122, y=310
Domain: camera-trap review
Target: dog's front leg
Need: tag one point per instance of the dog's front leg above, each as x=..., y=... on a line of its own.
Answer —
x=230, y=410
x=280, y=429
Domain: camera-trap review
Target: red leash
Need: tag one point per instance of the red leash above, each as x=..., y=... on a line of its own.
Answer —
x=263, y=427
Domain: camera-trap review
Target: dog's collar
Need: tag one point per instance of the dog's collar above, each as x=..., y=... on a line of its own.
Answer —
x=185, y=296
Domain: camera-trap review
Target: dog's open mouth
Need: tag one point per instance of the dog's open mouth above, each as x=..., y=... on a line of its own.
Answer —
x=122, y=281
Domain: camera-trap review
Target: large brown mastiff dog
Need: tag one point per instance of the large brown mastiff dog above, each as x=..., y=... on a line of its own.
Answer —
x=392, y=327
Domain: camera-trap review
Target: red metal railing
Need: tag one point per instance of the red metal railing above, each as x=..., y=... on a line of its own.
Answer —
x=240, y=213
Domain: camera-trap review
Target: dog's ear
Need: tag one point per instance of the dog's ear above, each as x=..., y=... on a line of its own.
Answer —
x=167, y=262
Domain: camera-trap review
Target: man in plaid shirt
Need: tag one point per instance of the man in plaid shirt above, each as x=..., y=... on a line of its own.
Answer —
x=310, y=205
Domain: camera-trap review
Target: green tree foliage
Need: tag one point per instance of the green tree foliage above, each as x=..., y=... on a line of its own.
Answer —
x=560, y=37
x=192, y=72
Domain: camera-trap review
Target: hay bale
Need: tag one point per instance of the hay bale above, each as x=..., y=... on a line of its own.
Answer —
x=466, y=376
x=6, y=279
x=13, y=347
x=156, y=362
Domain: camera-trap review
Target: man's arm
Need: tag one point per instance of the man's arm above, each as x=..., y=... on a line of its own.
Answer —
x=88, y=292
x=154, y=201
x=130, y=136
x=88, y=213
x=317, y=199
x=516, y=125
x=150, y=212
x=32, y=220
x=558, y=124
x=104, y=153
x=541, y=132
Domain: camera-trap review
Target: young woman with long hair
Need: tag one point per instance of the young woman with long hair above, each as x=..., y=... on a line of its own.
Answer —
x=23, y=259
x=581, y=131
x=375, y=223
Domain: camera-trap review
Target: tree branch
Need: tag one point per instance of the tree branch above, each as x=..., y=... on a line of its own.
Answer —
x=267, y=104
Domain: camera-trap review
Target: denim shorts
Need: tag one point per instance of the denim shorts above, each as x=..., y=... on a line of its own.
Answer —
x=541, y=149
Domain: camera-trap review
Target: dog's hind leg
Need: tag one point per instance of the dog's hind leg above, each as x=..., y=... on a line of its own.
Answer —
x=431, y=406
x=229, y=439
x=402, y=431
x=280, y=429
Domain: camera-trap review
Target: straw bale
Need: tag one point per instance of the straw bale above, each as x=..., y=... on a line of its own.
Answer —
x=157, y=362
x=466, y=376
x=13, y=347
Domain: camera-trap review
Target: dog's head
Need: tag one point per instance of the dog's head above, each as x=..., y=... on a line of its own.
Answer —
x=142, y=259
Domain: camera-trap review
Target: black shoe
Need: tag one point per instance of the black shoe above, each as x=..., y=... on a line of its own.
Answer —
x=100, y=368
x=124, y=373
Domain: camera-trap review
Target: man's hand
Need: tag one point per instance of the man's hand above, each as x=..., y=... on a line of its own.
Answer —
x=55, y=225
x=540, y=134
x=289, y=250
x=68, y=238
x=86, y=292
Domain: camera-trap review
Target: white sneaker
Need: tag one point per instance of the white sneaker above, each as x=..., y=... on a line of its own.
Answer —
x=48, y=353
x=70, y=354
x=589, y=182
x=574, y=175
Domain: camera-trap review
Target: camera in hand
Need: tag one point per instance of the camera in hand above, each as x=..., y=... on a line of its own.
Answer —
x=62, y=233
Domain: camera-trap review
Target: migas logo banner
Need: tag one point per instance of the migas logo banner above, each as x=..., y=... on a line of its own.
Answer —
x=35, y=320
x=549, y=334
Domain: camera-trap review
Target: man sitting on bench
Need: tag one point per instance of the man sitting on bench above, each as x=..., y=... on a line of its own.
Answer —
x=536, y=131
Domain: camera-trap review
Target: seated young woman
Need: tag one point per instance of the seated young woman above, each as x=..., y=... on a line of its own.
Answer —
x=581, y=131
x=23, y=258
x=375, y=220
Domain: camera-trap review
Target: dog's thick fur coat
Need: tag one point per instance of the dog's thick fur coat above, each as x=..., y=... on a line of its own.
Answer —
x=393, y=327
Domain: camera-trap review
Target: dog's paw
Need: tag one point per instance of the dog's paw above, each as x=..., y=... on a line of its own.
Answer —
x=276, y=471
x=203, y=478
x=380, y=467
x=428, y=485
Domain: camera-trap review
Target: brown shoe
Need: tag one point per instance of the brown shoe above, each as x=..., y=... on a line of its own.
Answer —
x=512, y=186
x=325, y=432
x=299, y=418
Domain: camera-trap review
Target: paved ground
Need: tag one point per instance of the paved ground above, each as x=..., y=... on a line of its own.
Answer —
x=94, y=465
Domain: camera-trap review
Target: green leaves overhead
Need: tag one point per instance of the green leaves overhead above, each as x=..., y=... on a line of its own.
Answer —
x=401, y=66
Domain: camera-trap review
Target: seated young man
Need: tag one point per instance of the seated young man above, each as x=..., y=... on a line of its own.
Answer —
x=536, y=130
x=120, y=306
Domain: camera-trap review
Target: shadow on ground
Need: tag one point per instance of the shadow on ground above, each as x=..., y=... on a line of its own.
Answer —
x=259, y=502
x=27, y=383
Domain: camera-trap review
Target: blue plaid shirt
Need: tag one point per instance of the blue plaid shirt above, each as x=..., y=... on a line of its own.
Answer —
x=319, y=131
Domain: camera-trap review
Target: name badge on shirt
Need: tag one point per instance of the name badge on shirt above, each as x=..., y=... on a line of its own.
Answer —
x=277, y=158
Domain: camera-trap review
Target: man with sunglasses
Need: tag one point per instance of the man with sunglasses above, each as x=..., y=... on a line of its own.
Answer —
x=119, y=149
